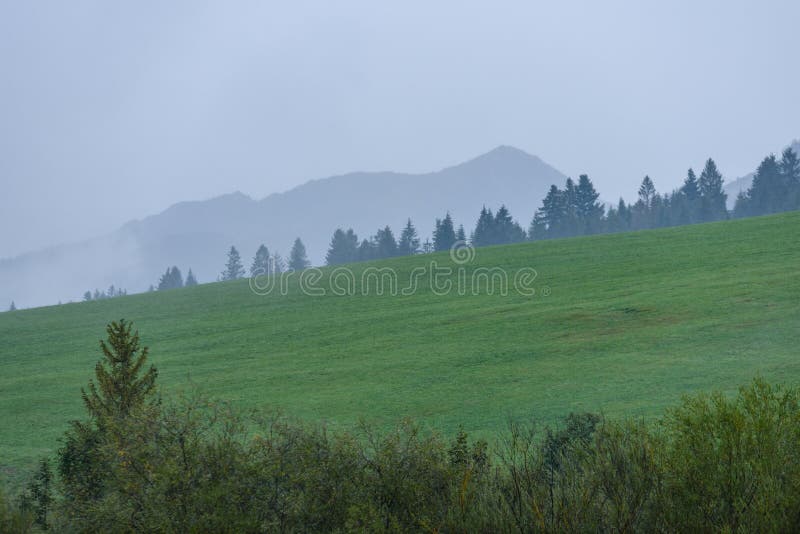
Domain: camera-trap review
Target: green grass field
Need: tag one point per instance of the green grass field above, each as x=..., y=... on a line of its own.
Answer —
x=632, y=322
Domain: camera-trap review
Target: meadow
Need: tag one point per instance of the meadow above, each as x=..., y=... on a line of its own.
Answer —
x=620, y=324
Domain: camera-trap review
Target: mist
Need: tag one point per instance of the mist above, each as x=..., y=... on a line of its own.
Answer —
x=114, y=112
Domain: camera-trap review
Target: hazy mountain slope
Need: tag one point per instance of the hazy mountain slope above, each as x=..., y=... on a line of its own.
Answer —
x=198, y=234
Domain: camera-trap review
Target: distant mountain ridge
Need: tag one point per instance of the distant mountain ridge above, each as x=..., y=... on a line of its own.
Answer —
x=197, y=234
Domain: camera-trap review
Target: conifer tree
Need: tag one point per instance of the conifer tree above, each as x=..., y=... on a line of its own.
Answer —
x=233, y=268
x=297, y=257
x=13, y=306
x=121, y=386
x=87, y=296
x=260, y=263
x=190, y=279
x=343, y=247
x=386, y=243
x=409, y=240
x=589, y=210
x=506, y=230
x=461, y=235
x=278, y=265
x=445, y=235
x=367, y=250
x=647, y=191
x=712, y=195
x=484, y=233
x=171, y=279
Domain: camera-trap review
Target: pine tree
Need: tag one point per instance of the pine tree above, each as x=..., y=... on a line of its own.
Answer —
x=409, y=240
x=386, y=243
x=646, y=192
x=278, y=265
x=297, y=257
x=538, y=227
x=713, y=197
x=120, y=389
x=505, y=229
x=445, y=235
x=461, y=235
x=260, y=263
x=190, y=279
x=589, y=210
x=13, y=306
x=233, y=268
x=484, y=233
x=690, y=188
x=171, y=279
x=790, y=172
x=343, y=247
x=367, y=250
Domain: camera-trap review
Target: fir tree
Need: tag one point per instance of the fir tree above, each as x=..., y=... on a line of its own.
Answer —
x=647, y=191
x=461, y=235
x=233, y=268
x=343, y=247
x=171, y=279
x=589, y=210
x=445, y=235
x=87, y=296
x=367, y=250
x=484, y=233
x=278, y=265
x=409, y=240
x=13, y=306
x=297, y=257
x=385, y=243
x=713, y=197
x=260, y=263
x=121, y=387
x=190, y=279
x=505, y=229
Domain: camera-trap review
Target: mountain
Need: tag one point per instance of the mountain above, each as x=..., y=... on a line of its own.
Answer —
x=741, y=185
x=198, y=234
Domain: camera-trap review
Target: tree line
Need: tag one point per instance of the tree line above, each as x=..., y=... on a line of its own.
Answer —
x=138, y=462
x=572, y=211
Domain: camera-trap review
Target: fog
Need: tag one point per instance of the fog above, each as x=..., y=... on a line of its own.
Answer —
x=112, y=111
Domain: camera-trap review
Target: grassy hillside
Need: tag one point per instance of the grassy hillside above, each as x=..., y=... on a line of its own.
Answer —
x=631, y=322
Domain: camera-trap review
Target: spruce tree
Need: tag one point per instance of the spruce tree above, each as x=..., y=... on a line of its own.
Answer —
x=87, y=296
x=367, y=250
x=646, y=192
x=297, y=257
x=278, y=265
x=409, y=240
x=343, y=247
x=260, y=263
x=121, y=386
x=190, y=279
x=386, y=243
x=445, y=235
x=233, y=268
x=461, y=235
x=13, y=306
x=713, y=197
x=790, y=172
x=589, y=210
x=484, y=233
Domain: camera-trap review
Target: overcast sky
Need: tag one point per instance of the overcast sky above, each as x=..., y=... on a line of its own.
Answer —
x=114, y=110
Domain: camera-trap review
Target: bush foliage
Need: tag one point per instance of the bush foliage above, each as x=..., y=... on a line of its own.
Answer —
x=713, y=463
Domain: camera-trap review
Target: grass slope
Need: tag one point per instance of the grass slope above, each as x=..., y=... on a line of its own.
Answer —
x=632, y=322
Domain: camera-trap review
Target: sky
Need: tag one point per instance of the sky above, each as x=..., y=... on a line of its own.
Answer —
x=112, y=111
